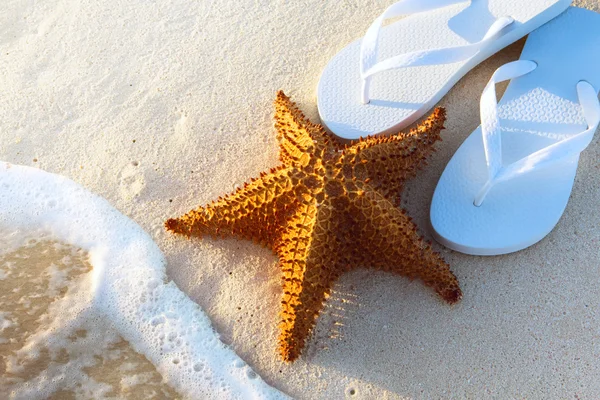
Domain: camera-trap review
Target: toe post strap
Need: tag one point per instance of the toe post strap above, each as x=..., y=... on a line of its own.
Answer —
x=369, y=65
x=492, y=139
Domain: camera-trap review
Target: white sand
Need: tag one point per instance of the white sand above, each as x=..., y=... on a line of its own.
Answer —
x=145, y=102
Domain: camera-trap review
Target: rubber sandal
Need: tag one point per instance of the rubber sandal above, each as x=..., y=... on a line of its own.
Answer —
x=371, y=88
x=508, y=184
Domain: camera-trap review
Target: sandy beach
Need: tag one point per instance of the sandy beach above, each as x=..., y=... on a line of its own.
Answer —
x=160, y=107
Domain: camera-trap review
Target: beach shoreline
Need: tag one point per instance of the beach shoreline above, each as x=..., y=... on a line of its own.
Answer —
x=162, y=107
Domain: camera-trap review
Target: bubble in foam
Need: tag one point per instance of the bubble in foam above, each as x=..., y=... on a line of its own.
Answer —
x=129, y=284
x=251, y=374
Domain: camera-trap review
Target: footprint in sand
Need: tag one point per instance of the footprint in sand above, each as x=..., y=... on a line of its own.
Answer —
x=131, y=181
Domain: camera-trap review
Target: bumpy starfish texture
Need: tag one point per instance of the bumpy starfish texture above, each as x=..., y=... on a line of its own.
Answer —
x=327, y=209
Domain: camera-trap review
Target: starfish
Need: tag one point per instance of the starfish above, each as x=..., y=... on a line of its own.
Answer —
x=327, y=209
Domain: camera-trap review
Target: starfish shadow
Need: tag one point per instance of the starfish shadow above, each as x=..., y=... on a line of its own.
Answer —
x=337, y=311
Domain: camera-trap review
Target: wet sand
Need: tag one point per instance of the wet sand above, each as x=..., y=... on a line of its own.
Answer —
x=84, y=358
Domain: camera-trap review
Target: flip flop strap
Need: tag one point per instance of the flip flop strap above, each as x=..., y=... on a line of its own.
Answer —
x=369, y=44
x=492, y=132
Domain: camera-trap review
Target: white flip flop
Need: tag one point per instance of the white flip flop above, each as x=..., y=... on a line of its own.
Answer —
x=370, y=87
x=508, y=184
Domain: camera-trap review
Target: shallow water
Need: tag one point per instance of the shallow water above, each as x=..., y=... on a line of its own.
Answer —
x=46, y=340
x=124, y=294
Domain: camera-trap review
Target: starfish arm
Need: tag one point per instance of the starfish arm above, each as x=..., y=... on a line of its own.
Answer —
x=309, y=270
x=387, y=162
x=298, y=137
x=254, y=212
x=394, y=245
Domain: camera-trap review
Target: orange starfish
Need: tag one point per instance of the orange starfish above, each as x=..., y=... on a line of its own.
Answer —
x=327, y=209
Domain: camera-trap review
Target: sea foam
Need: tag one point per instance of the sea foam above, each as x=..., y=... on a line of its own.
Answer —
x=128, y=285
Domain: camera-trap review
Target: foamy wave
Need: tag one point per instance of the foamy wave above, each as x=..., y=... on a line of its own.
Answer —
x=129, y=284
